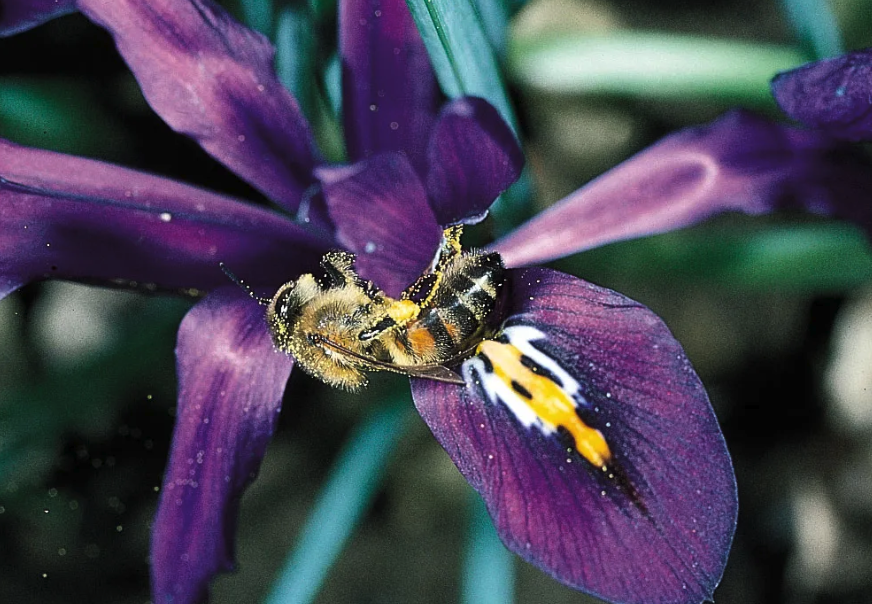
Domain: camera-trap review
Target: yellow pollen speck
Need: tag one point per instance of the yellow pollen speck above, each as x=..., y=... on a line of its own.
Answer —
x=403, y=311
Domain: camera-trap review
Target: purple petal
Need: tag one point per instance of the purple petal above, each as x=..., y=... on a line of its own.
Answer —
x=390, y=96
x=473, y=157
x=20, y=15
x=834, y=95
x=213, y=79
x=381, y=213
x=231, y=381
x=653, y=523
x=740, y=162
x=73, y=218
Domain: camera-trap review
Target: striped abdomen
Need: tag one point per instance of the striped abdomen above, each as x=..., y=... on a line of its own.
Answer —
x=457, y=316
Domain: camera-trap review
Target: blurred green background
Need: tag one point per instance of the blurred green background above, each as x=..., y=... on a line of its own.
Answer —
x=775, y=313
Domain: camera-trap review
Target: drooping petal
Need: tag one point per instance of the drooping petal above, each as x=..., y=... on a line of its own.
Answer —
x=740, y=162
x=834, y=95
x=72, y=218
x=381, y=213
x=20, y=15
x=593, y=443
x=213, y=79
x=473, y=156
x=390, y=95
x=231, y=381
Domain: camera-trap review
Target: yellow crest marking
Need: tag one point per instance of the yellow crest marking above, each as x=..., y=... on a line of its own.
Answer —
x=546, y=399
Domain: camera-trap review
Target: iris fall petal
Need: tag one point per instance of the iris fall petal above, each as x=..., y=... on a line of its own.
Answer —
x=390, y=96
x=212, y=79
x=633, y=497
x=833, y=94
x=473, y=156
x=740, y=162
x=231, y=381
x=20, y=15
x=381, y=213
x=68, y=217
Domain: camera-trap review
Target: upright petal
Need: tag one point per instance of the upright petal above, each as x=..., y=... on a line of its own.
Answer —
x=231, y=381
x=72, y=218
x=740, y=162
x=473, y=156
x=592, y=441
x=834, y=95
x=20, y=15
x=381, y=213
x=389, y=90
x=213, y=79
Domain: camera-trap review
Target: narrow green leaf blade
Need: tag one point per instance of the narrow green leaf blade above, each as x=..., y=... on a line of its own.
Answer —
x=295, y=56
x=815, y=26
x=464, y=61
x=815, y=257
x=489, y=568
x=352, y=483
x=649, y=65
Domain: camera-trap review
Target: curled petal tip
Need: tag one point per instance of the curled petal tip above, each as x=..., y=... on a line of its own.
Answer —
x=834, y=95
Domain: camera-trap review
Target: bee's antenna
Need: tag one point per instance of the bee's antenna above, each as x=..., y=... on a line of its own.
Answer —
x=243, y=285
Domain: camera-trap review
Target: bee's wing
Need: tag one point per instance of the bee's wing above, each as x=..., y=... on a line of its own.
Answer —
x=439, y=373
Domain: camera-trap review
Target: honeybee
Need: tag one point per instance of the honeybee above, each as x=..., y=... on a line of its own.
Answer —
x=338, y=329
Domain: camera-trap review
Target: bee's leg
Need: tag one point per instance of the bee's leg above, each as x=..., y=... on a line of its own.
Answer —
x=450, y=248
x=421, y=292
x=339, y=267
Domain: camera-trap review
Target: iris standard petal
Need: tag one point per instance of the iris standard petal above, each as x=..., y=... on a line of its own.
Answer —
x=68, y=217
x=381, y=213
x=834, y=94
x=212, y=79
x=592, y=441
x=473, y=156
x=20, y=15
x=231, y=381
x=390, y=95
x=740, y=162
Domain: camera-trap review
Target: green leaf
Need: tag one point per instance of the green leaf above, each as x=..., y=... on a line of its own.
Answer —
x=57, y=113
x=650, y=65
x=462, y=57
x=741, y=253
x=352, y=484
x=494, y=16
x=489, y=568
x=258, y=15
x=295, y=56
x=815, y=26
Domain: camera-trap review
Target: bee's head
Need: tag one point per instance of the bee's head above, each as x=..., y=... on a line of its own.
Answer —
x=285, y=306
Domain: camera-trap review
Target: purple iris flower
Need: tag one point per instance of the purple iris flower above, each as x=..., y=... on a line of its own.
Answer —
x=650, y=522
x=834, y=95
